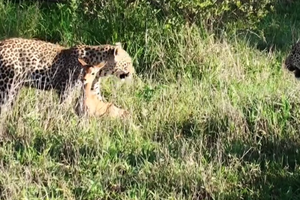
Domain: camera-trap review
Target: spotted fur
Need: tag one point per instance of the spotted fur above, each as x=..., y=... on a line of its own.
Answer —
x=43, y=65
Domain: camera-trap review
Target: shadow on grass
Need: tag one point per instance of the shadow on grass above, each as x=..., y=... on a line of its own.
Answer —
x=261, y=141
x=273, y=145
x=278, y=160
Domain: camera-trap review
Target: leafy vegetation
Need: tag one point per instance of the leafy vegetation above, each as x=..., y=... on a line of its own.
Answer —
x=214, y=116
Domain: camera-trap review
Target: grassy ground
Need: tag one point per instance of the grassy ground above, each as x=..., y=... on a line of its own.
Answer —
x=212, y=118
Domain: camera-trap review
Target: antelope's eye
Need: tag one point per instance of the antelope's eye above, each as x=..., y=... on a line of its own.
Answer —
x=93, y=73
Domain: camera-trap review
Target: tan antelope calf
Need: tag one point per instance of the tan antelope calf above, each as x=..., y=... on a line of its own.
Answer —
x=92, y=106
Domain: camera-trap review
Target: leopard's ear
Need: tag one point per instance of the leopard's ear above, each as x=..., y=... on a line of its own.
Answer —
x=116, y=51
x=118, y=44
x=82, y=62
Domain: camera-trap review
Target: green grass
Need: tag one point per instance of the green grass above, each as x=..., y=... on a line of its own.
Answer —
x=212, y=118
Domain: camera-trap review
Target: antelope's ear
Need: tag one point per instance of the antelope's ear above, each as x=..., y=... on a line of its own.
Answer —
x=82, y=62
x=101, y=65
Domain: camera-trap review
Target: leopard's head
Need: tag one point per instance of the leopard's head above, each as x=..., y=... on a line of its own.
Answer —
x=123, y=67
x=292, y=62
x=118, y=61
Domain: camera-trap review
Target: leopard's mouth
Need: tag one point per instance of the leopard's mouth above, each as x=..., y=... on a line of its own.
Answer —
x=286, y=65
x=124, y=75
x=297, y=73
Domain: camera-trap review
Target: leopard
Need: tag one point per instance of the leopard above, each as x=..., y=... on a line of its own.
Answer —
x=292, y=61
x=92, y=106
x=35, y=63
